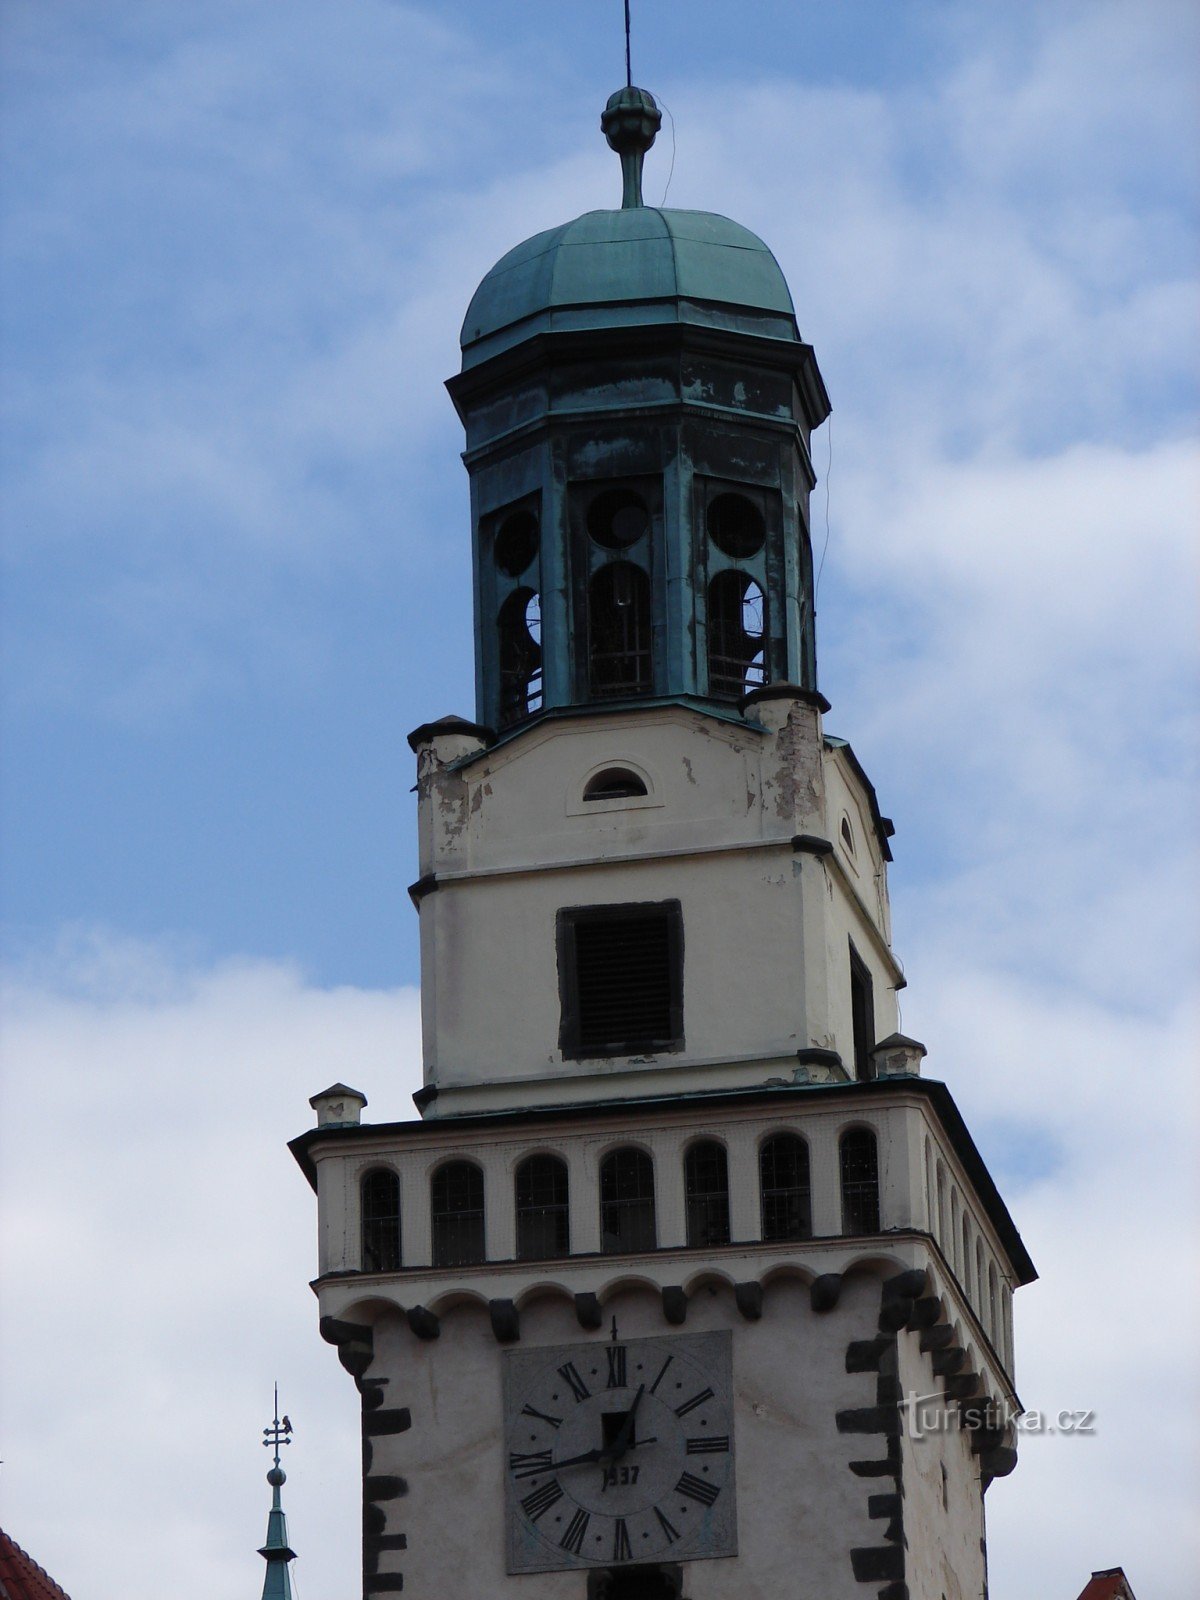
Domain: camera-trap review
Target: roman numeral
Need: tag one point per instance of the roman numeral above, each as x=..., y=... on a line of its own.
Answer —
x=696, y=1400
x=622, y=1549
x=715, y=1445
x=662, y=1373
x=617, y=1356
x=696, y=1489
x=576, y=1384
x=572, y=1540
x=530, y=1411
x=539, y=1502
x=669, y=1528
x=528, y=1466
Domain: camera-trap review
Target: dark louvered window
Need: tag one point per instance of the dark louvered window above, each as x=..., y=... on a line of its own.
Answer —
x=543, y=1223
x=621, y=979
x=860, y=1182
x=380, y=1220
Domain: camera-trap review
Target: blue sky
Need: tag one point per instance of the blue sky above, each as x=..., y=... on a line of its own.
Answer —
x=238, y=242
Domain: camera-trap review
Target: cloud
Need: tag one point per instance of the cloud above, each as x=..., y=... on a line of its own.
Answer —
x=158, y=1242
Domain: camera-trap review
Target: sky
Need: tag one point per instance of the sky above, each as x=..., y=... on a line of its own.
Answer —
x=237, y=245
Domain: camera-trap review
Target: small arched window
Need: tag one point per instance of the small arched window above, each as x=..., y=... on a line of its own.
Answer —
x=614, y=783
x=847, y=836
x=520, y=625
x=784, y=1186
x=736, y=663
x=456, y=1204
x=380, y=1199
x=980, y=1280
x=929, y=1209
x=860, y=1182
x=516, y=543
x=543, y=1223
x=942, y=1238
x=627, y=1201
x=966, y=1255
x=993, y=1305
x=952, y=1242
x=619, y=654
x=706, y=1180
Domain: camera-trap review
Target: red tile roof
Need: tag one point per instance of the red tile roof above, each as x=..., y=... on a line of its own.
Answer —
x=1111, y=1584
x=20, y=1576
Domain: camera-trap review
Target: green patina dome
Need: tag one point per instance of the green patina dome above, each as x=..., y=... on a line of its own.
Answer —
x=625, y=268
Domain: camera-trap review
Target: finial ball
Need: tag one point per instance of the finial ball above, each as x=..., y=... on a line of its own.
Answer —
x=277, y=1477
x=630, y=120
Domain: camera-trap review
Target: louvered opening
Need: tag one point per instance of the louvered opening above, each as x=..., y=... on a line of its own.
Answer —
x=621, y=973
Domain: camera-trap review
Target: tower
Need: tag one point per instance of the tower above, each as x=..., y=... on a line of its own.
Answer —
x=686, y=1282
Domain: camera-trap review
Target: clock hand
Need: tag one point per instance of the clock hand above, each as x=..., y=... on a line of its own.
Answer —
x=622, y=1441
x=578, y=1461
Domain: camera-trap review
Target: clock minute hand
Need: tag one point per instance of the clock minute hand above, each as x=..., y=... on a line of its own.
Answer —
x=579, y=1461
x=625, y=1436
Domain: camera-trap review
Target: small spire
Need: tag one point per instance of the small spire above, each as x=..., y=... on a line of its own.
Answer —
x=629, y=122
x=277, y=1553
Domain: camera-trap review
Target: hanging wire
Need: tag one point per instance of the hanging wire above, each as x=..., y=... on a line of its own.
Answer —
x=671, y=119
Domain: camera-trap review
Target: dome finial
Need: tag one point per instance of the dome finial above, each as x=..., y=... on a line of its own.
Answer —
x=629, y=122
x=277, y=1553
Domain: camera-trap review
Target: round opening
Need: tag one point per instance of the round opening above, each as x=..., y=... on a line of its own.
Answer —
x=847, y=835
x=516, y=542
x=735, y=526
x=617, y=518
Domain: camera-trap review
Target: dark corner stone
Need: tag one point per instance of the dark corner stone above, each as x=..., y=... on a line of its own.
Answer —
x=877, y=1563
x=397, y=1420
x=862, y=1355
x=368, y=1456
x=908, y=1285
x=816, y=1055
x=937, y=1338
x=925, y=1312
x=674, y=1305
x=374, y=1522
x=384, y=1583
x=423, y=1323
x=334, y=1331
x=823, y=1292
x=506, y=1324
x=869, y=1419
x=893, y=1591
x=884, y=1506
x=424, y=1097
x=962, y=1385
x=873, y=1469
x=998, y=1463
x=749, y=1300
x=384, y=1486
x=587, y=1311
x=887, y=1389
x=371, y=1392
x=811, y=844
x=392, y=1541
x=423, y=886
x=947, y=1361
x=894, y=1315
x=452, y=724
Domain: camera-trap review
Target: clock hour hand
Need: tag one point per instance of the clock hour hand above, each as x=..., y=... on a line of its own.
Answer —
x=578, y=1461
x=625, y=1436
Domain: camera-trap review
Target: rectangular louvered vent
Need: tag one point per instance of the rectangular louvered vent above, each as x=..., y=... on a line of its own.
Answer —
x=621, y=979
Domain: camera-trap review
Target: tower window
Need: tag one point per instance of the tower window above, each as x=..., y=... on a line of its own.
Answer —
x=614, y=783
x=516, y=543
x=620, y=971
x=736, y=663
x=380, y=1198
x=784, y=1186
x=860, y=1182
x=617, y=519
x=735, y=526
x=627, y=1201
x=456, y=1203
x=520, y=625
x=543, y=1224
x=706, y=1179
x=862, y=1015
x=619, y=651
x=966, y=1255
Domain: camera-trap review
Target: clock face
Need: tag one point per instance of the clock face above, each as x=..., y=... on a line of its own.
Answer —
x=619, y=1451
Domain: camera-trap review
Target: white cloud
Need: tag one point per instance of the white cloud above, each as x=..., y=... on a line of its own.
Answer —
x=158, y=1241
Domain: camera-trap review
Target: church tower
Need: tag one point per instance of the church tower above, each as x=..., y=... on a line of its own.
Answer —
x=686, y=1282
